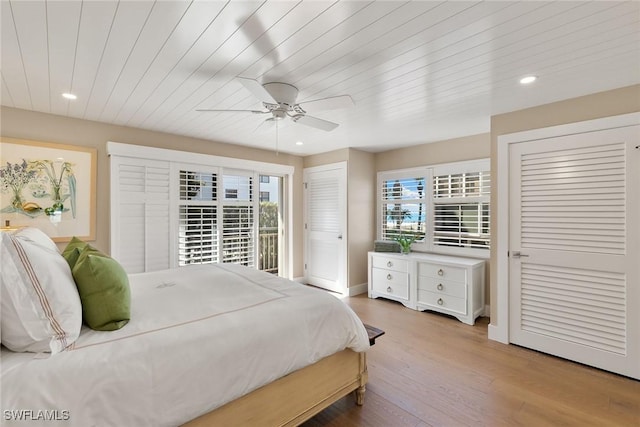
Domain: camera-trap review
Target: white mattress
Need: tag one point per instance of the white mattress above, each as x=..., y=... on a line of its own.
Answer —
x=199, y=336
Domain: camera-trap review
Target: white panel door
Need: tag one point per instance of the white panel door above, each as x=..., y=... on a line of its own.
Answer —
x=574, y=245
x=325, y=226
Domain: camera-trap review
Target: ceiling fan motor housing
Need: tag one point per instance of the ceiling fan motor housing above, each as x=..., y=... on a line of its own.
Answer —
x=279, y=99
x=284, y=93
x=279, y=114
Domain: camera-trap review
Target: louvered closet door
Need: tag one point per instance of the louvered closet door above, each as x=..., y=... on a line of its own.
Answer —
x=325, y=227
x=574, y=290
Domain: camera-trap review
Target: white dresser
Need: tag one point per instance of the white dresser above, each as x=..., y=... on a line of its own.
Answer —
x=389, y=277
x=442, y=283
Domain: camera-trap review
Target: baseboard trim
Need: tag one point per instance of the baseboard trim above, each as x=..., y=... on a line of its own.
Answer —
x=351, y=290
x=358, y=289
x=496, y=333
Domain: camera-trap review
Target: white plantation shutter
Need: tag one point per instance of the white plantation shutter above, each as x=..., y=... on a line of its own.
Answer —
x=172, y=208
x=445, y=206
x=461, y=209
x=197, y=216
x=238, y=237
x=197, y=235
x=140, y=212
x=404, y=205
x=238, y=225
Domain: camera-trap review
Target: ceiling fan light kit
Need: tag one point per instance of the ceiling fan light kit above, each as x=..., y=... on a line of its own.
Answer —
x=279, y=99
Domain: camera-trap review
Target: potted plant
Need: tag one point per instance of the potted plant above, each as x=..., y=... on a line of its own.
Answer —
x=405, y=241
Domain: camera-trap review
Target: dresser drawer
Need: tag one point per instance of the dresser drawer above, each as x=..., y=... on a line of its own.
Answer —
x=390, y=263
x=445, y=287
x=441, y=302
x=393, y=283
x=444, y=272
x=424, y=281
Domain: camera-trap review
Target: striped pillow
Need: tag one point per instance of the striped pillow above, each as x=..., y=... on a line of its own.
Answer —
x=40, y=307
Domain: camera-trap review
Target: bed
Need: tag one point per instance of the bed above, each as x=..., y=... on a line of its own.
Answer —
x=206, y=345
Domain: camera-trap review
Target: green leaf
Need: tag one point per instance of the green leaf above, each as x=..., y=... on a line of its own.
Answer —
x=72, y=192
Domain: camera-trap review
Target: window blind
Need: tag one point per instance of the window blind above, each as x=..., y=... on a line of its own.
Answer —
x=403, y=207
x=142, y=209
x=238, y=234
x=238, y=241
x=197, y=218
x=446, y=207
x=169, y=208
x=461, y=209
x=197, y=235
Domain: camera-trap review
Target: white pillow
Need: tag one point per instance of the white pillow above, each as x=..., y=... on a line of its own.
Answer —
x=37, y=236
x=40, y=307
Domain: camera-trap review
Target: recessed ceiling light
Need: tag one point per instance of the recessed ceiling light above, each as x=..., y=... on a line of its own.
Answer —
x=299, y=143
x=69, y=96
x=528, y=79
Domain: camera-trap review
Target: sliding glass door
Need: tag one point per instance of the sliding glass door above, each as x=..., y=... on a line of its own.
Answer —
x=270, y=224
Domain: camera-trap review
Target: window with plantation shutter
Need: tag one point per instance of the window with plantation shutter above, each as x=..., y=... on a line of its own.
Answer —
x=212, y=228
x=139, y=208
x=238, y=236
x=173, y=208
x=461, y=209
x=445, y=208
x=197, y=218
x=403, y=206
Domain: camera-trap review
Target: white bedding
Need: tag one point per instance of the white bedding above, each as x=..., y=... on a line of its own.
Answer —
x=199, y=336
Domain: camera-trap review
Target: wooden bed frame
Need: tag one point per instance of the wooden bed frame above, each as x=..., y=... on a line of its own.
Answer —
x=294, y=398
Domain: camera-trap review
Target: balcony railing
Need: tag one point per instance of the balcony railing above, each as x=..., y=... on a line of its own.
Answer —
x=268, y=250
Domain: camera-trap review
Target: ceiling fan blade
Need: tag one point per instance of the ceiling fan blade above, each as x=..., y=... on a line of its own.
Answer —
x=257, y=90
x=331, y=103
x=315, y=122
x=234, y=111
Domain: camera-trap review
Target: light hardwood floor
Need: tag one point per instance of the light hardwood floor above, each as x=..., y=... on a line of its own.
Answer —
x=432, y=370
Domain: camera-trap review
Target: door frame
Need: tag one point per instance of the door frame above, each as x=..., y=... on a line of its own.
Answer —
x=499, y=326
x=342, y=276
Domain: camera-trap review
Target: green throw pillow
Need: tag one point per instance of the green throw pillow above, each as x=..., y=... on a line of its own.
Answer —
x=103, y=286
x=72, y=251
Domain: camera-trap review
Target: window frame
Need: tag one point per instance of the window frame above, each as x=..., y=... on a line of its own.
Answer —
x=177, y=202
x=134, y=154
x=400, y=175
x=429, y=172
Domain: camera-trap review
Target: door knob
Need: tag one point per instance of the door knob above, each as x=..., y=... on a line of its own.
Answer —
x=518, y=254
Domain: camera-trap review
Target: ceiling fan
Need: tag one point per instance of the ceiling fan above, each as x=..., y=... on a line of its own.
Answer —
x=279, y=100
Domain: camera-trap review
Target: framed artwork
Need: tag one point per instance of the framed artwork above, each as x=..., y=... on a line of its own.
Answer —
x=49, y=186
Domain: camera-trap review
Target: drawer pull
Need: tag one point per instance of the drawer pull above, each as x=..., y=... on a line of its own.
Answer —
x=389, y=289
x=389, y=277
x=440, y=301
x=440, y=272
x=440, y=287
x=389, y=264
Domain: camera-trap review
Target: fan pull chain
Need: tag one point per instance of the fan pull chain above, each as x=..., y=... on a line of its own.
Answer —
x=277, y=151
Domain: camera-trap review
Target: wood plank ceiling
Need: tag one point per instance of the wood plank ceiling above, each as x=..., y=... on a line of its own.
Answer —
x=417, y=71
